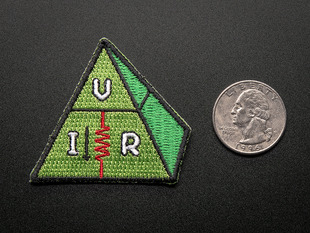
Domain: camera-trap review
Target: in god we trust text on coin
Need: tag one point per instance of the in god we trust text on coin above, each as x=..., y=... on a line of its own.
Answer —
x=249, y=117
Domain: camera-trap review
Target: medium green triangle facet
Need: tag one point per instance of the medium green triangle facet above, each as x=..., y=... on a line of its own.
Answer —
x=167, y=132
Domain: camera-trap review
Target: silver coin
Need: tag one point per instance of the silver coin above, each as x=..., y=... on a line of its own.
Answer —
x=249, y=117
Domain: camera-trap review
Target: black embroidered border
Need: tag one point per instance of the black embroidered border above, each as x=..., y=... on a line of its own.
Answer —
x=104, y=43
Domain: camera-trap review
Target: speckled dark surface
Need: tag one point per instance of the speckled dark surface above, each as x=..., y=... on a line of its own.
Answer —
x=190, y=51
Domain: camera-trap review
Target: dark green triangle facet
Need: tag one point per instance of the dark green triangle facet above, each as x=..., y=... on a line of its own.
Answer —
x=137, y=89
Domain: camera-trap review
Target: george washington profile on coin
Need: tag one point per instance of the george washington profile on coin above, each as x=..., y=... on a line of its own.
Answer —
x=250, y=113
x=249, y=117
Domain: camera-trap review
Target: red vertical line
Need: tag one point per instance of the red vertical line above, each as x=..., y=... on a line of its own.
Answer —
x=102, y=119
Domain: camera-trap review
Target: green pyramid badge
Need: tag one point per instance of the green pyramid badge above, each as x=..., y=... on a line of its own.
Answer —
x=115, y=128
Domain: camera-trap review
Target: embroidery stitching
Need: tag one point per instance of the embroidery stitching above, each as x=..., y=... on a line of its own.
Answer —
x=126, y=147
x=73, y=151
x=162, y=133
x=102, y=149
x=107, y=88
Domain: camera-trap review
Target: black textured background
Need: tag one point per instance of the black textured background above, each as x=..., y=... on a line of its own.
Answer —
x=190, y=51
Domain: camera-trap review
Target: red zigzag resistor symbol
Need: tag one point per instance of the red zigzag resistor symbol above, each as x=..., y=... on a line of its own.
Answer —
x=102, y=149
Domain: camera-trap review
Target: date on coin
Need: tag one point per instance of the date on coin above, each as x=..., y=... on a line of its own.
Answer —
x=249, y=117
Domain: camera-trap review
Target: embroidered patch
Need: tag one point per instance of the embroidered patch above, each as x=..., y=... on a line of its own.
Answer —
x=115, y=128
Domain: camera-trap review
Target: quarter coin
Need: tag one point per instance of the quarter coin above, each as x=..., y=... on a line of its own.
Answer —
x=249, y=117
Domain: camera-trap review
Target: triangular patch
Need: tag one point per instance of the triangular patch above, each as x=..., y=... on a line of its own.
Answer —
x=115, y=128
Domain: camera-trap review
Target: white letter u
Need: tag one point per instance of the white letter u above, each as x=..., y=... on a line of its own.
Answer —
x=107, y=89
